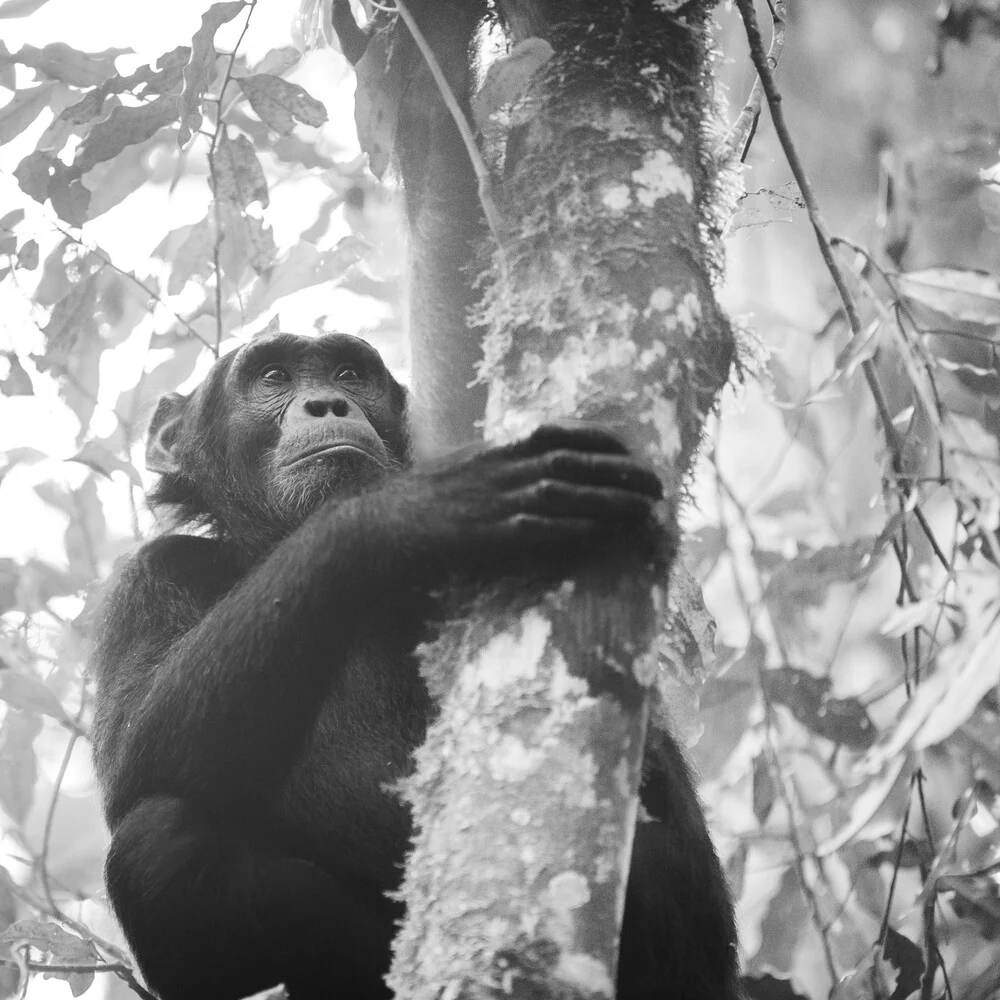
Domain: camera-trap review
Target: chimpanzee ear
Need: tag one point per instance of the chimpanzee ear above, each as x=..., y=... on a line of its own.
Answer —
x=164, y=434
x=401, y=443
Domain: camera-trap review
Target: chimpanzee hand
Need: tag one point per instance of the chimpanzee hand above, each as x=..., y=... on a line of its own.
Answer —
x=562, y=484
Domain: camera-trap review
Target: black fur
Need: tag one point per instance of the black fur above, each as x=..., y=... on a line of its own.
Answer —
x=258, y=692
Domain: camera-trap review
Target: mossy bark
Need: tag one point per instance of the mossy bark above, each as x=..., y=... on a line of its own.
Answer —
x=599, y=304
x=596, y=302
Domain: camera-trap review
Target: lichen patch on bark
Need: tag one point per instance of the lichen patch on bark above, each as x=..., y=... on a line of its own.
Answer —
x=659, y=176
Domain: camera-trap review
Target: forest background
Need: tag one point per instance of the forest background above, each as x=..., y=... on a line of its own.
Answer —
x=843, y=717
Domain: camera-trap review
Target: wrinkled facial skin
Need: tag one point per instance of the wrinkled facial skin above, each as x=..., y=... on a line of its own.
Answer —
x=281, y=424
x=313, y=418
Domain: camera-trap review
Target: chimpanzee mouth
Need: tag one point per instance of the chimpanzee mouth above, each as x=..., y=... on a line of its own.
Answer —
x=326, y=450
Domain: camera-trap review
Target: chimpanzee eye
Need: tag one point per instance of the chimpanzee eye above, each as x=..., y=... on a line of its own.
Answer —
x=347, y=372
x=274, y=373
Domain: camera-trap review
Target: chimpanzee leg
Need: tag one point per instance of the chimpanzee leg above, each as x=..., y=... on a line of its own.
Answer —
x=212, y=916
x=678, y=937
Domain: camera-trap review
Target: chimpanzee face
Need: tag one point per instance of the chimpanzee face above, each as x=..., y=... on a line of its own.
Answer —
x=279, y=425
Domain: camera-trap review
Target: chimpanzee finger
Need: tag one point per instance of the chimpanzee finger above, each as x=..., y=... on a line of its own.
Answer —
x=584, y=468
x=578, y=435
x=552, y=498
x=542, y=529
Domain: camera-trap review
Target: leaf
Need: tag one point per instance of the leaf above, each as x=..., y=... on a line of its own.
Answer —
x=20, y=8
x=29, y=694
x=873, y=978
x=805, y=581
x=18, y=765
x=62, y=948
x=101, y=459
x=86, y=531
x=73, y=348
x=41, y=582
x=239, y=177
x=110, y=183
x=50, y=938
x=767, y=205
x=163, y=378
x=166, y=76
x=71, y=317
x=61, y=62
x=915, y=614
x=279, y=103
x=963, y=295
x=785, y=502
x=27, y=255
x=22, y=109
x=764, y=793
x=843, y=720
x=508, y=77
x=303, y=267
x=193, y=258
x=12, y=218
x=200, y=70
x=376, y=101
x=122, y=128
x=908, y=959
x=784, y=923
x=688, y=640
x=10, y=575
x=957, y=693
x=865, y=806
x=246, y=240
x=69, y=197
x=279, y=61
x=33, y=174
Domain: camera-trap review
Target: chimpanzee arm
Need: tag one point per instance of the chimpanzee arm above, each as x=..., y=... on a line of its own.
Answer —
x=677, y=890
x=211, y=680
x=212, y=686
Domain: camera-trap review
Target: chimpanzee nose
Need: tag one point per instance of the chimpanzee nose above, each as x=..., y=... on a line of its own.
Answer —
x=336, y=406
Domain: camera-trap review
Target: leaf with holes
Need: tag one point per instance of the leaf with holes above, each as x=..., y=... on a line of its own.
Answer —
x=200, y=70
x=124, y=127
x=61, y=948
x=239, y=177
x=376, y=101
x=61, y=62
x=280, y=103
x=842, y=720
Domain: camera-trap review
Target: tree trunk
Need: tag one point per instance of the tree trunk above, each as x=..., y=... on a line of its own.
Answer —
x=599, y=305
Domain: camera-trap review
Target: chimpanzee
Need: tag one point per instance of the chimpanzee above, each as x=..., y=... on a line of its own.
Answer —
x=258, y=693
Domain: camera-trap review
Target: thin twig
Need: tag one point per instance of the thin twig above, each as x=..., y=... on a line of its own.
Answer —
x=741, y=134
x=823, y=237
x=50, y=815
x=120, y=965
x=220, y=125
x=773, y=757
x=138, y=282
x=64, y=969
x=897, y=864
